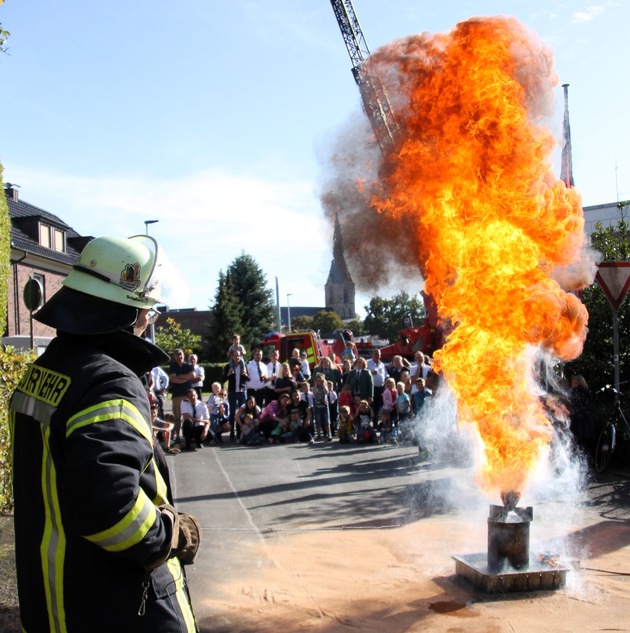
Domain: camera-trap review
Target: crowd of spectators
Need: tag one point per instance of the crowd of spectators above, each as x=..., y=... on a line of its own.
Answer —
x=272, y=403
x=354, y=402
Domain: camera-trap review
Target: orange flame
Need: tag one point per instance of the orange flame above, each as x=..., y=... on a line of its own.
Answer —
x=490, y=220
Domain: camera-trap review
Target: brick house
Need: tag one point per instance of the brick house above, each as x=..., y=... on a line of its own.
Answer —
x=43, y=247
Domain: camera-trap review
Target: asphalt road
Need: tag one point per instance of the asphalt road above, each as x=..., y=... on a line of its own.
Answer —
x=245, y=496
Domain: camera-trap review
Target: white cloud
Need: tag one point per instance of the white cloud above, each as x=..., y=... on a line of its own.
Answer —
x=206, y=219
x=586, y=16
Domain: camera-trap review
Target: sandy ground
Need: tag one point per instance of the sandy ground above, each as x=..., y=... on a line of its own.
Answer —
x=400, y=580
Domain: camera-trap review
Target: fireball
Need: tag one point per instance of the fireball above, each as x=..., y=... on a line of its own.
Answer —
x=488, y=223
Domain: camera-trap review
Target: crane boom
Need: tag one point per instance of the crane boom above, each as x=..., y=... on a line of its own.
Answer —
x=375, y=101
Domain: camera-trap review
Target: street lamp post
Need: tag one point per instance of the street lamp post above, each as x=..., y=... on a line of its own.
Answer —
x=290, y=294
x=146, y=225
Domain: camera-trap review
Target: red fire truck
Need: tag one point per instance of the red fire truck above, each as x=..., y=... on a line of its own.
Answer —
x=316, y=347
x=424, y=338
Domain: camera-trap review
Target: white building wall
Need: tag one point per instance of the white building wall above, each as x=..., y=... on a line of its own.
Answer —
x=608, y=214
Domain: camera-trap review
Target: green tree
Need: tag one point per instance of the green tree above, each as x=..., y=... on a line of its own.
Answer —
x=596, y=363
x=226, y=319
x=327, y=321
x=357, y=327
x=173, y=336
x=385, y=317
x=303, y=322
x=258, y=313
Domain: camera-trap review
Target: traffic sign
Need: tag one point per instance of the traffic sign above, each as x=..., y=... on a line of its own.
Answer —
x=614, y=279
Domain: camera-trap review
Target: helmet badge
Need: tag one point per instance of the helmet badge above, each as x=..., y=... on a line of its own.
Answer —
x=130, y=276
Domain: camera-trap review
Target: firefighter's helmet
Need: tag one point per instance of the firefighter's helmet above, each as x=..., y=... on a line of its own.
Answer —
x=112, y=280
x=119, y=270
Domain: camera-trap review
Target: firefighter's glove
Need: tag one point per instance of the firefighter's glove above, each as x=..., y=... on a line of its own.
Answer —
x=189, y=538
x=186, y=536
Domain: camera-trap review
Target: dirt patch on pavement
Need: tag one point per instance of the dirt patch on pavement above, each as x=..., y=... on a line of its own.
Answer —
x=403, y=580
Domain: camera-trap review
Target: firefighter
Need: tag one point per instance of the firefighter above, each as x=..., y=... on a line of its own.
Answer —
x=98, y=547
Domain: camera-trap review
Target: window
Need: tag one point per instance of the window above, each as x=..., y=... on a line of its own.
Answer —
x=44, y=235
x=42, y=283
x=59, y=243
x=52, y=237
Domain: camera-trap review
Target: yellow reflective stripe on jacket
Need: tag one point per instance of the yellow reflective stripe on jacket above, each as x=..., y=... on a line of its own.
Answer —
x=131, y=529
x=32, y=407
x=181, y=595
x=161, y=496
x=111, y=410
x=53, y=544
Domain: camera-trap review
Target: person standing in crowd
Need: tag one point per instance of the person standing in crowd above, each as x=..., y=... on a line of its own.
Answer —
x=294, y=361
x=346, y=368
x=420, y=367
x=274, y=369
x=196, y=421
x=346, y=399
x=160, y=386
x=330, y=371
x=257, y=372
x=360, y=380
x=98, y=546
x=285, y=382
x=403, y=411
x=213, y=402
x=389, y=400
x=223, y=418
x=200, y=376
x=377, y=368
x=305, y=368
x=405, y=378
x=235, y=373
x=320, y=407
x=333, y=406
x=396, y=368
x=419, y=396
x=180, y=375
x=296, y=374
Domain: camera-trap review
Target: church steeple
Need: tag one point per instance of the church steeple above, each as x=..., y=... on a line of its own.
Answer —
x=340, y=292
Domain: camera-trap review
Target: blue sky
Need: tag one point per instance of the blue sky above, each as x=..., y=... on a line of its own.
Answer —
x=216, y=118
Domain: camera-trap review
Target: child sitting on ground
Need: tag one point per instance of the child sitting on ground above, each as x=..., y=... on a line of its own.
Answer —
x=363, y=421
x=282, y=433
x=345, y=426
x=163, y=428
x=249, y=430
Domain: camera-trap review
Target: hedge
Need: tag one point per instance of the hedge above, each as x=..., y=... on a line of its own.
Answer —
x=13, y=364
